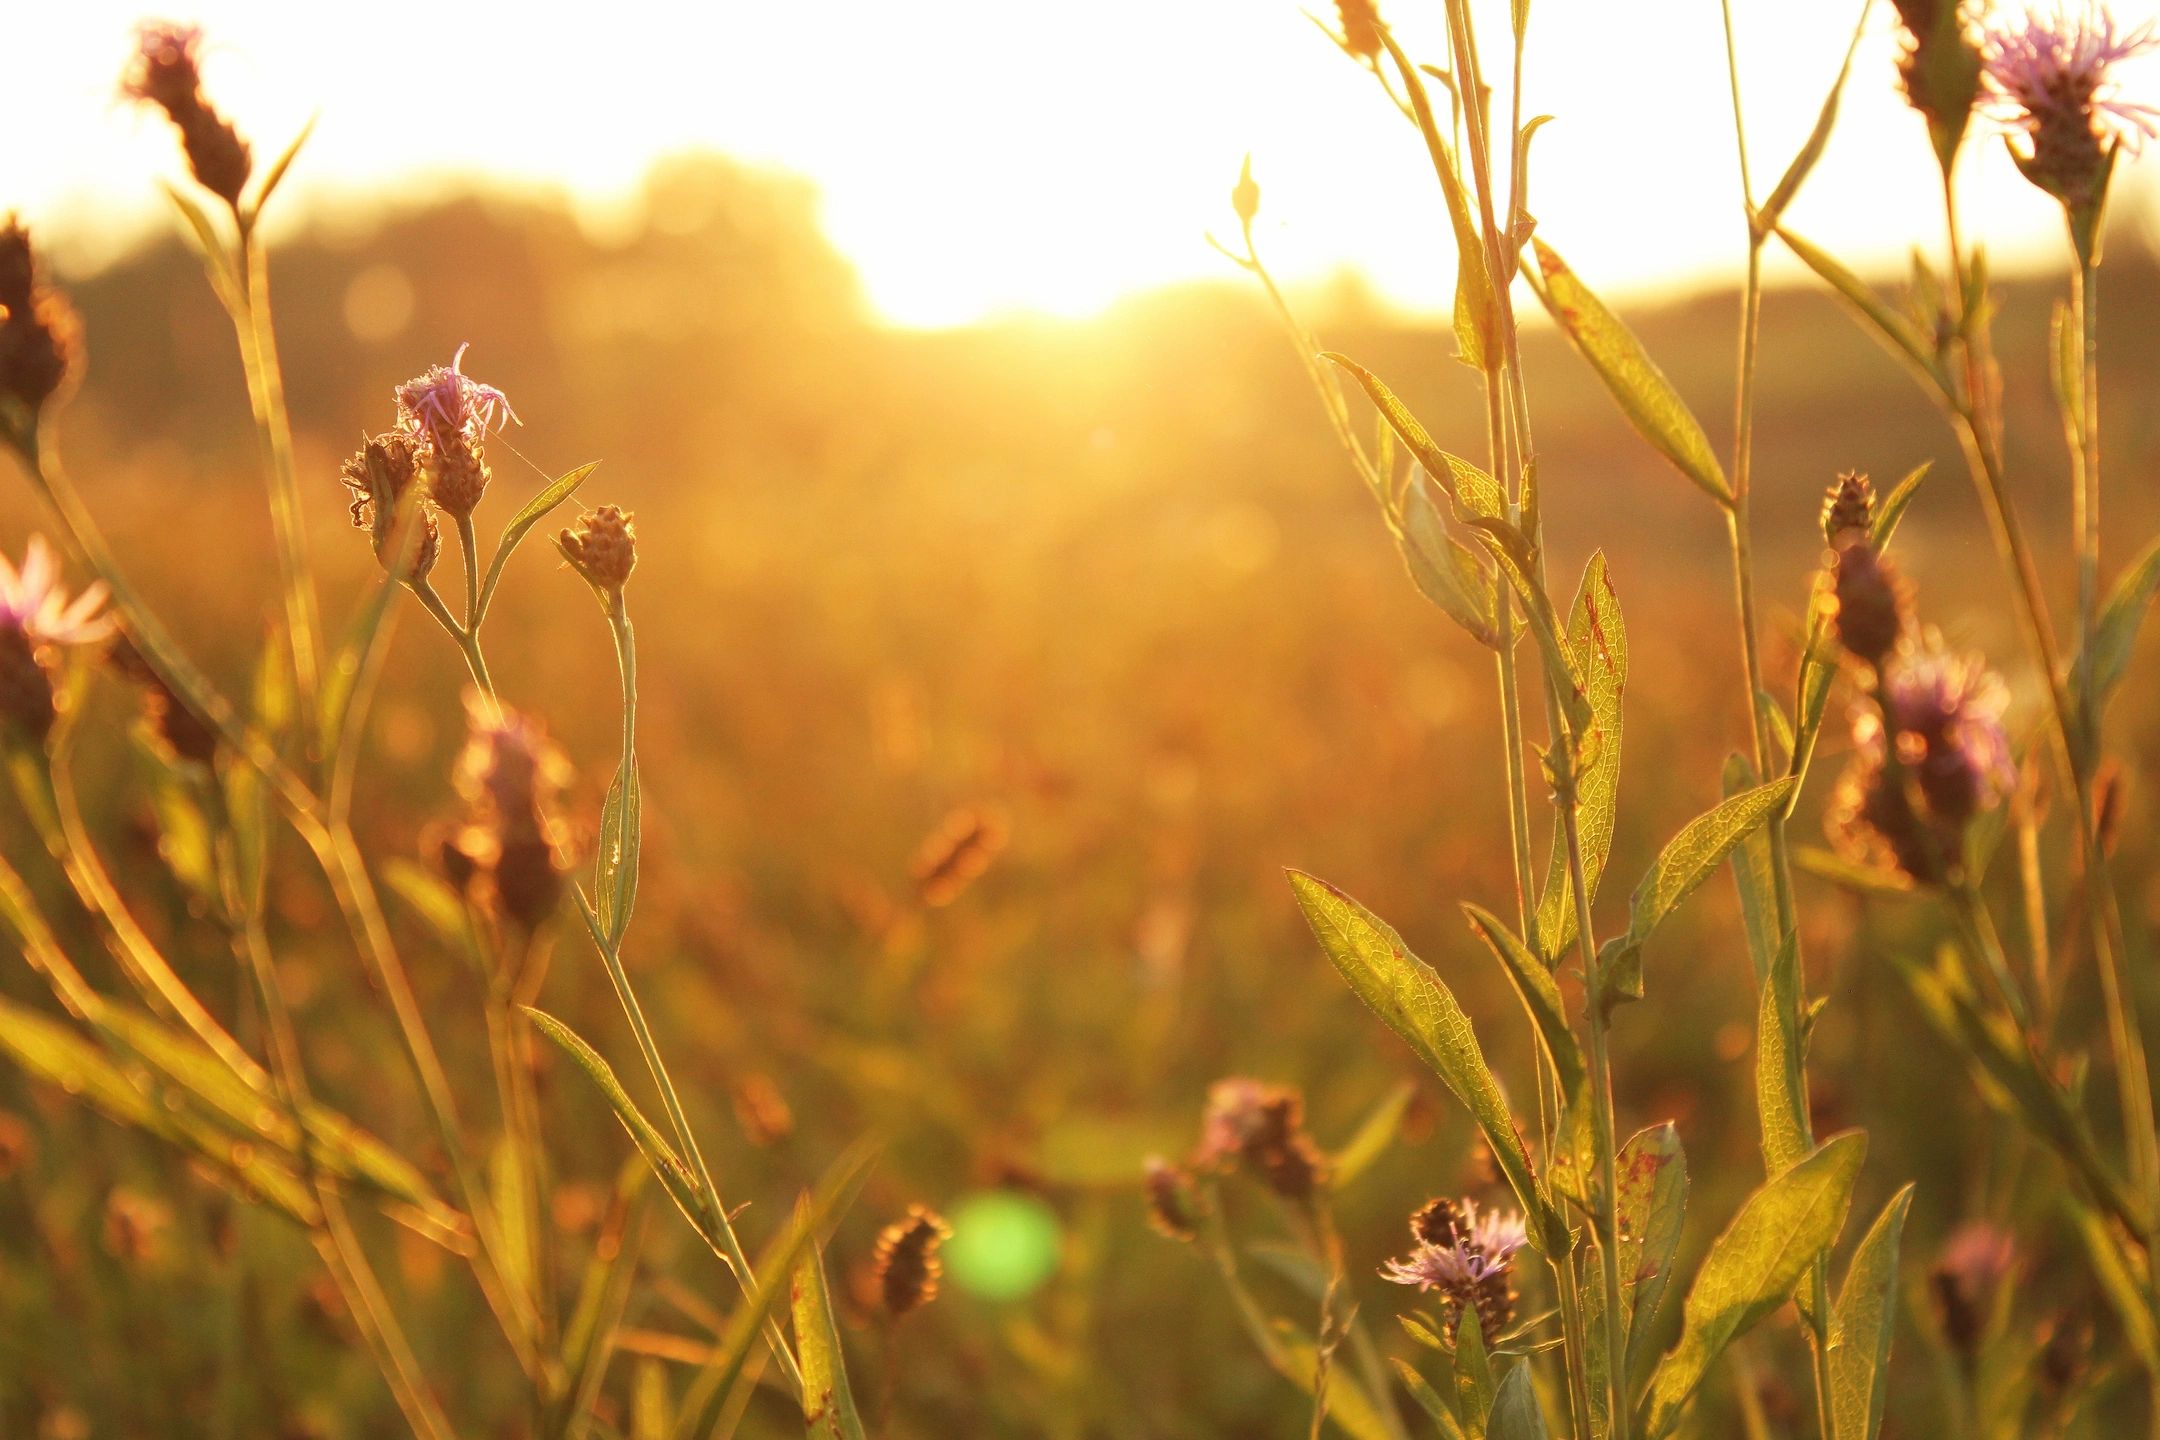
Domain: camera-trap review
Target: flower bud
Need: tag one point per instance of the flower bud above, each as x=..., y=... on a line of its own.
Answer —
x=1848, y=508
x=1867, y=600
x=1245, y=195
x=602, y=547
x=39, y=333
x=165, y=73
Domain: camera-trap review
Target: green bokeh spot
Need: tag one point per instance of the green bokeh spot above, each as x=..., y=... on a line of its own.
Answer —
x=1004, y=1245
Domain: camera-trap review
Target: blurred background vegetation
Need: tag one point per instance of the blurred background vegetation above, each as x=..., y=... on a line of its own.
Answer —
x=1106, y=586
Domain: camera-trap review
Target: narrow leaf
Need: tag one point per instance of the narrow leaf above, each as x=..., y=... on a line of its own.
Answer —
x=1779, y=1103
x=1896, y=332
x=1861, y=1324
x=1515, y=1411
x=1788, y=184
x=1539, y=991
x=828, y=1403
x=1598, y=636
x=533, y=512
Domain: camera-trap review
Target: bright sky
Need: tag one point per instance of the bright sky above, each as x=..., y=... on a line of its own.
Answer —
x=979, y=157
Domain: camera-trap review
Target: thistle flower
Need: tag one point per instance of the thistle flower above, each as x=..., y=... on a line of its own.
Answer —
x=1940, y=68
x=511, y=777
x=1263, y=1127
x=38, y=330
x=379, y=475
x=37, y=622
x=1946, y=714
x=2050, y=87
x=1169, y=1200
x=1467, y=1257
x=447, y=415
x=165, y=72
x=907, y=1265
x=602, y=547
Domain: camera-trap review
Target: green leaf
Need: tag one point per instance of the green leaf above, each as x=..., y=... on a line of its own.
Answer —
x=603, y=1297
x=341, y=678
x=1473, y=1371
x=1897, y=332
x=2115, y=631
x=1779, y=1101
x=1415, y=438
x=204, y=239
x=1653, y=1204
x=621, y=833
x=674, y=1175
x=1477, y=306
x=1428, y=1399
x=1788, y=184
x=1891, y=508
x=828, y=1403
x=1598, y=636
x=1515, y=1411
x=1861, y=1325
x=1645, y=396
x=1405, y=993
x=1445, y=571
x=1687, y=860
x=276, y=173
x=1752, y=1267
x=1372, y=1138
x=439, y=907
x=534, y=511
x=1753, y=877
x=1539, y=991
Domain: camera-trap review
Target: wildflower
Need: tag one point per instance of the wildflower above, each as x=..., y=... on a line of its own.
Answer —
x=1848, y=507
x=37, y=622
x=38, y=329
x=1963, y=1280
x=1946, y=713
x=1360, y=27
x=511, y=777
x=1467, y=1257
x=2050, y=86
x=907, y=1266
x=1169, y=1200
x=1867, y=600
x=447, y=415
x=1261, y=1126
x=165, y=72
x=957, y=853
x=602, y=547
x=1940, y=68
x=379, y=475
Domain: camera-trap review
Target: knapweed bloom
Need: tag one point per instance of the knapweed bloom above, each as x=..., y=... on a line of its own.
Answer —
x=2050, y=84
x=907, y=1265
x=38, y=331
x=1940, y=68
x=447, y=414
x=166, y=72
x=1953, y=761
x=37, y=623
x=1262, y=1127
x=509, y=853
x=602, y=547
x=379, y=476
x=1467, y=1257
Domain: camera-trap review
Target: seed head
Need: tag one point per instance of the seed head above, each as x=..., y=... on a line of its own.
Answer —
x=907, y=1264
x=1263, y=1128
x=1466, y=1256
x=2051, y=87
x=165, y=72
x=602, y=547
x=379, y=476
x=1170, y=1203
x=39, y=334
x=1848, y=507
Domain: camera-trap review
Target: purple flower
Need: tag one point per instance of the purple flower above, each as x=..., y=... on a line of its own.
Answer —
x=2053, y=66
x=1481, y=1248
x=166, y=69
x=1948, y=710
x=450, y=408
x=33, y=603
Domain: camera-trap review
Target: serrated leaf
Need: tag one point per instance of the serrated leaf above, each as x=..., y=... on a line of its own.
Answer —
x=530, y=514
x=1861, y=1324
x=1688, y=859
x=1752, y=1268
x=674, y=1175
x=1515, y=1411
x=1788, y=185
x=1779, y=1102
x=828, y=1402
x=1645, y=396
x=1598, y=636
x=1539, y=991
x=1405, y=992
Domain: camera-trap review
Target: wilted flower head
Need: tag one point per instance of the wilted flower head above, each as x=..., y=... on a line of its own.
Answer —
x=2050, y=83
x=1946, y=712
x=37, y=621
x=602, y=547
x=1964, y=1278
x=511, y=777
x=1940, y=68
x=165, y=72
x=906, y=1264
x=379, y=475
x=1261, y=1126
x=1465, y=1256
x=38, y=329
